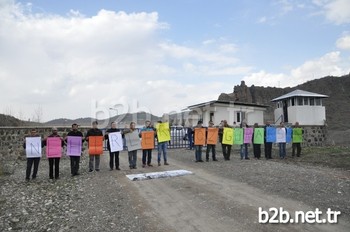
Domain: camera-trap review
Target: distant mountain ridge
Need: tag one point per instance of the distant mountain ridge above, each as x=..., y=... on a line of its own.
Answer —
x=337, y=105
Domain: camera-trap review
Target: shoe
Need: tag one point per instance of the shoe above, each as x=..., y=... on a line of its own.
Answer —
x=91, y=170
x=247, y=158
x=150, y=165
x=215, y=160
x=135, y=167
x=143, y=165
x=51, y=178
x=97, y=170
x=166, y=163
x=57, y=178
x=159, y=164
x=200, y=160
x=207, y=160
x=111, y=169
x=27, y=179
x=117, y=169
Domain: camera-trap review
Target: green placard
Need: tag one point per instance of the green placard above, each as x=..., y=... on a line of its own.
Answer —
x=297, y=135
x=238, y=136
x=258, y=136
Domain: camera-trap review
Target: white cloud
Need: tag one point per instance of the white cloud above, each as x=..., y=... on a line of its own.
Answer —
x=329, y=64
x=344, y=42
x=65, y=64
x=336, y=11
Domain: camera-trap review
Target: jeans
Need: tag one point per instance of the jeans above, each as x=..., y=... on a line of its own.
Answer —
x=296, y=146
x=74, y=164
x=212, y=148
x=282, y=148
x=162, y=147
x=190, y=141
x=226, y=150
x=56, y=162
x=30, y=162
x=257, y=150
x=146, y=156
x=268, y=150
x=132, y=158
x=198, y=152
x=244, y=151
x=114, y=156
x=97, y=162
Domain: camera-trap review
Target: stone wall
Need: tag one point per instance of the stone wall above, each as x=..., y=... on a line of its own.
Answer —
x=11, y=144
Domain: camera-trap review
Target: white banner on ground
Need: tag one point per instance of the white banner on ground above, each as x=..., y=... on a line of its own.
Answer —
x=156, y=175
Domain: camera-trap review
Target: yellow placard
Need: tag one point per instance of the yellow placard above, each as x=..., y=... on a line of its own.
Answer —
x=163, y=132
x=227, y=137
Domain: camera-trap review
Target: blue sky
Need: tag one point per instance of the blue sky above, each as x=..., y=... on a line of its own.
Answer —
x=79, y=58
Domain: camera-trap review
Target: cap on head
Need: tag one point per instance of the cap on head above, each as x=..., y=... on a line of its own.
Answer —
x=200, y=122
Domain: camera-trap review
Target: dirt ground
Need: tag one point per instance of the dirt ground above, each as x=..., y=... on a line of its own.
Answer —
x=218, y=196
x=210, y=201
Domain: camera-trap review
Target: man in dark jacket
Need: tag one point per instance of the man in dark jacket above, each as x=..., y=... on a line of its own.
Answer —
x=75, y=160
x=113, y=156
x=92, y=157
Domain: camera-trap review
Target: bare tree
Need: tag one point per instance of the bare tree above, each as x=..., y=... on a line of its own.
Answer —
x=38, y=114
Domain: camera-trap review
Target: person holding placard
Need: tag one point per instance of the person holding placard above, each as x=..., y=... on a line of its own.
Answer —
x=163, y=137
x=147, y=153
x=258, y=139
x=93, y=156
x=133, y=143
x=267, y=142
x=199, y=140
x=226, y=140
x=297, y=136
x=54, y=152
x=281, y=133
x=212, y=134
x=32, y=145
x=74, y=158
x=115, y=140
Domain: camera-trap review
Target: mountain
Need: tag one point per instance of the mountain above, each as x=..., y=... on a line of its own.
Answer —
x=122, y=120
x=337, y=105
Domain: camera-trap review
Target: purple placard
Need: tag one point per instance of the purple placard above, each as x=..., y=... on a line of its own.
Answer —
x=74, y=145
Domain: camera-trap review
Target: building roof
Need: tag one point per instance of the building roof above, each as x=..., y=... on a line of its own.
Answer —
x=299, y=93
x=233, y=103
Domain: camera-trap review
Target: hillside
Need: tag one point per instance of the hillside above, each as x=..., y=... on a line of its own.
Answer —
x=337, y=105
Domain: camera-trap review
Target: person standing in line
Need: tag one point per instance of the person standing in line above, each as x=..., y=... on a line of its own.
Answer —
x=198, y=148
x=296, y=145
x=211, y=146
x=147, y=153
x=75, y=160
x=190, y=137
x=267, y=145
x=256, y=147
x=282, y=145
x=244, y=146
x=162, y=147
x=226, y=148
x=113, y=156
x=32, y=160
x=132, y=155
x=56, y=160
x=94, y=131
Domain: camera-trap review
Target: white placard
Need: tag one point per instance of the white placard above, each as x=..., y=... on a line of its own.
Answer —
x=133, y=141
x=33, y=147
x=280, y=135
x=115, y=141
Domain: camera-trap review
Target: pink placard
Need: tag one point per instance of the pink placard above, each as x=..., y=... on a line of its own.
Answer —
x=53, y=147
x=248, y=135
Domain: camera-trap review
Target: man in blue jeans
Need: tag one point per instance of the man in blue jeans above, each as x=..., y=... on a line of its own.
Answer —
x=162, y=146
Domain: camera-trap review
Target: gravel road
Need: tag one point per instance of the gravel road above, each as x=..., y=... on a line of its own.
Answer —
x=219, y=196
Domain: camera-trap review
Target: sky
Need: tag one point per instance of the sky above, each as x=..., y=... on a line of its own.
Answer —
x=101, y=58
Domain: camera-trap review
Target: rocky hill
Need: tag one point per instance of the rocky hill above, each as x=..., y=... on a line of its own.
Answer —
x=337, y=105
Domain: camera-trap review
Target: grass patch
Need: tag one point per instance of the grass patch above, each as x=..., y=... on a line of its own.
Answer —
x=329, y=156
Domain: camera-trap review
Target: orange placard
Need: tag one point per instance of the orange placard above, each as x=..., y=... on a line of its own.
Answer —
x=95, y=145
x=147, y=139
x=199, y=136
x=213, y=134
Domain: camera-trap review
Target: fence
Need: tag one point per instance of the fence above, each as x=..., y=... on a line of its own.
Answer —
x=177, y=140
